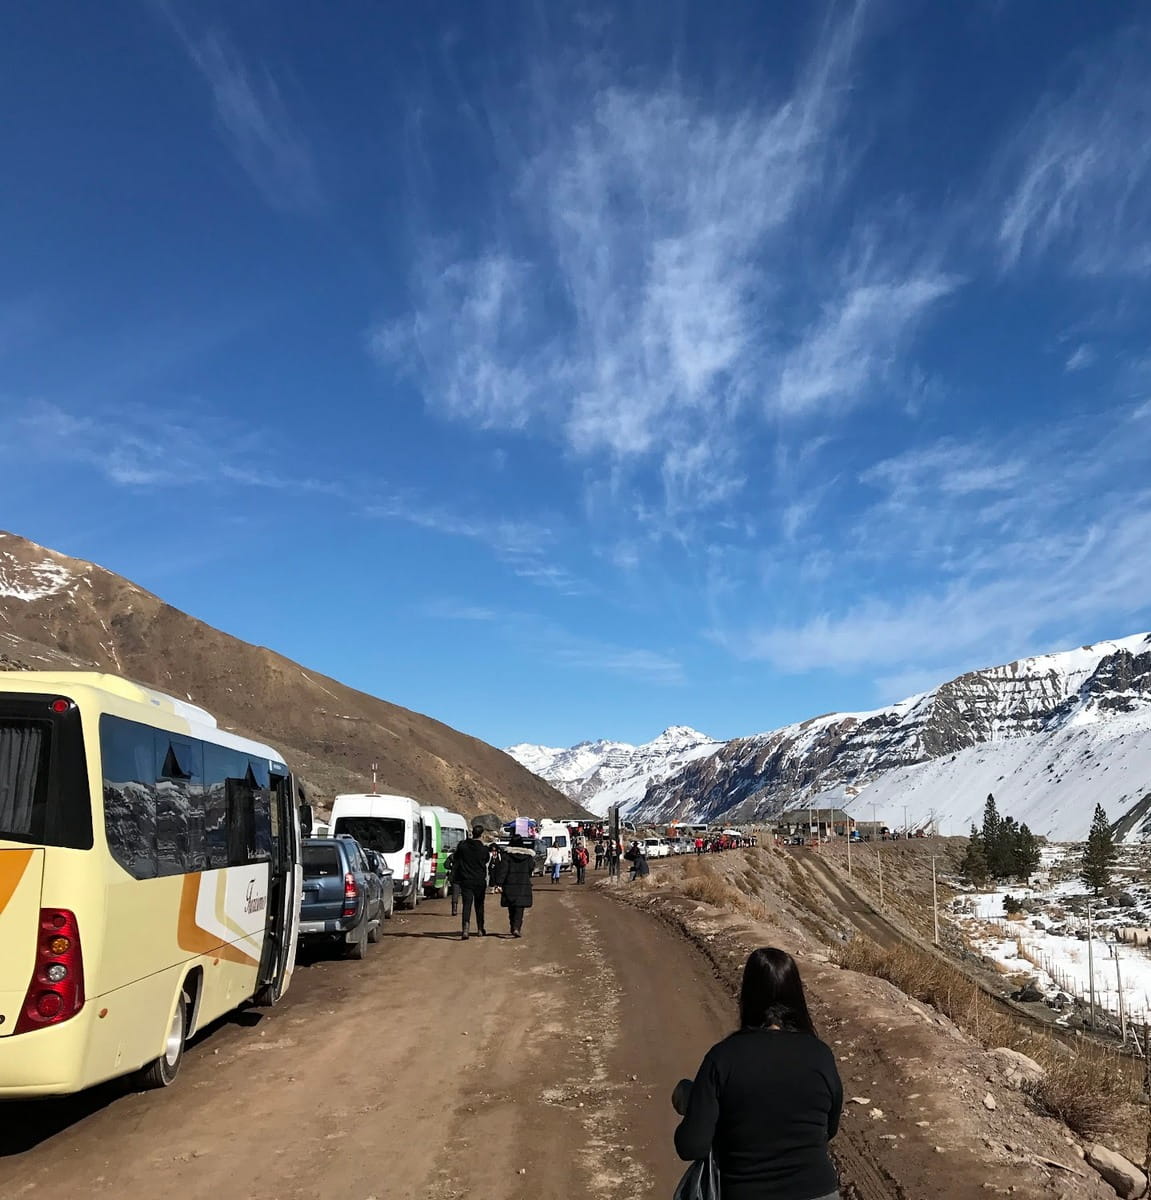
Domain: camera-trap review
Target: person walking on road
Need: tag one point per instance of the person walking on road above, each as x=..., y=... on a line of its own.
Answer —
x=514, y=880
x=581, y=857
x=600, y=850
x=555, y=862
x=613, y=859
x=767, y=1099
x=470, y=875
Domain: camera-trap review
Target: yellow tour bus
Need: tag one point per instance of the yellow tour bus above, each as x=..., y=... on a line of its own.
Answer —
x=149, y=879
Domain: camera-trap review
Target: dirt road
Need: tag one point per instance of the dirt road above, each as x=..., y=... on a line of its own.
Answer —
x=493, y=1070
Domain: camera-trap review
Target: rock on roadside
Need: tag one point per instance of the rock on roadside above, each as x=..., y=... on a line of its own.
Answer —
x=1123, y=1176
x=1018, y=1069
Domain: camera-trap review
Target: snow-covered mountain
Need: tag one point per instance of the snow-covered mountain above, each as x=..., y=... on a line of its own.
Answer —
x=1050, y=736
x=600, y=774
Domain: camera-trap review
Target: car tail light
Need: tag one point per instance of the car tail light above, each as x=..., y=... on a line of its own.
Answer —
x=407, y=866
x=351, y=895
x=57, y=988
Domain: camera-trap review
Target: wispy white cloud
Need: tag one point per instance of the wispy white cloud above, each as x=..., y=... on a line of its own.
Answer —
x=1082, y=357
x=637, y=311
x=997, y=552
x=253, y=117
x=1079, y=168
x=856, y=342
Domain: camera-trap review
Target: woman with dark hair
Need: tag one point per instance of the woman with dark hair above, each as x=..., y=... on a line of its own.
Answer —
x=767, y=1099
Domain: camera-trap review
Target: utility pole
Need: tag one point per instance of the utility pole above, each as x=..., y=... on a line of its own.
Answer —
x=935, y=898
x=906, y=825
x=878, y=856
x=1091, y=962
x=375, y=768
x=1119, y=989
x=849, y=875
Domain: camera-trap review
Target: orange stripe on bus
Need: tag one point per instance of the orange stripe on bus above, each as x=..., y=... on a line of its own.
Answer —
x=193, y=937
x=13, y=864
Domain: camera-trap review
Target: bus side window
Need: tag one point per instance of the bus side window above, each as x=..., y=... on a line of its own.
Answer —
x=179, y=805
x=126, y=751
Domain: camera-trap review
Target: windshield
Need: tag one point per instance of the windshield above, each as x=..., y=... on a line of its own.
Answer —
x=385, y=834
x=43, y=778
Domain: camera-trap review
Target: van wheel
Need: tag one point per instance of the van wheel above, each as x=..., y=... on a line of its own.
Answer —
x=162, y=1072
x=374, y=932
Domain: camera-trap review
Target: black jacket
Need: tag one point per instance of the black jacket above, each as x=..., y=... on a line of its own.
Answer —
x=514, y=876
x=470, y=863
x=766, y=1102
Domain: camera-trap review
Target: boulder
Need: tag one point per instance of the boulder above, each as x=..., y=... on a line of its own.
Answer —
x=1126, y=900
x=1126, y=1178
x=1018, y=1069
x=1029, y=993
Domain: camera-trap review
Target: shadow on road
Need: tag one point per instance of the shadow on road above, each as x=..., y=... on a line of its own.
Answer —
x=25, y=1124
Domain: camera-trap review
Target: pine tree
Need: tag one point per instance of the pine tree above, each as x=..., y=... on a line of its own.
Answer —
x=1099, y=853
x=1026, y=852
x=994, y=847
x=974, y=865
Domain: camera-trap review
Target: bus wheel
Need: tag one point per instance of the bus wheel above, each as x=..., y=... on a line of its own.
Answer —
x=162, y=1072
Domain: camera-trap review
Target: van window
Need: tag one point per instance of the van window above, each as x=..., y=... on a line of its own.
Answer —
x=452, y=838
x=321, y=862
x=385, y=834
x=561, y=842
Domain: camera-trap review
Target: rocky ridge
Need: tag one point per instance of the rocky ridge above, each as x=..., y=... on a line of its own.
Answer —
x=1080, y=718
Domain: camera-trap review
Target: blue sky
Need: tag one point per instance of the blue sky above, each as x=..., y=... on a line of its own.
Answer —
x=567, y=371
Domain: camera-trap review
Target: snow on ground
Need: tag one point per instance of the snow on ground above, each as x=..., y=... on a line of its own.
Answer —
x=1048, y=941
x=31, y=581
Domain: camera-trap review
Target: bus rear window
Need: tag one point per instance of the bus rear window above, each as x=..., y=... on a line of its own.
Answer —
x=385, y=834
x=43, y=779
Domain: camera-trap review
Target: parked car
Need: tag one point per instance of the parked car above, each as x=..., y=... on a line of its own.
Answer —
x=379, y=864
x=343, y=896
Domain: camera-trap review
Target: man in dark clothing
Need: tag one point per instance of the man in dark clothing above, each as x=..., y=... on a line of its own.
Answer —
x=470, y=874
x=514, y=879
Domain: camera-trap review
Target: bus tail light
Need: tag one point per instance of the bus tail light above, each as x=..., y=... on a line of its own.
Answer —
x=351, y=895
x=57, y=988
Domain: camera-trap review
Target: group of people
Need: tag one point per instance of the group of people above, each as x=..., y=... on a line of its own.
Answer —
x=474, y=869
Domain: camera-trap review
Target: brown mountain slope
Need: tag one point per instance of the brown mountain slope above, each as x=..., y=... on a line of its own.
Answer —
x=57, y=611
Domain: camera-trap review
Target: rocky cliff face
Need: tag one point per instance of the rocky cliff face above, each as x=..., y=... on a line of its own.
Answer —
x=58, y=612
x=1031, y=701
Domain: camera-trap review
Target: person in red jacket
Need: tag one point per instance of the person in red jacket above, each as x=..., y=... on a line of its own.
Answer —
x=581, y=860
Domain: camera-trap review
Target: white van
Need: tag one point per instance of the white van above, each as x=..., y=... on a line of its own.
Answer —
x=554, y=835
x=392, y=826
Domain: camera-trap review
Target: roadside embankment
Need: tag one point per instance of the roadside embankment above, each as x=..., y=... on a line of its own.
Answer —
x=929, y=1110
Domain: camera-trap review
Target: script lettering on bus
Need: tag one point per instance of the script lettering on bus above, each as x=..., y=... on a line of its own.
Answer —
x=254, y=903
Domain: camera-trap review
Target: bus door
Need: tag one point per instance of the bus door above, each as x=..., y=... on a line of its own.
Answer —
x=283, y=917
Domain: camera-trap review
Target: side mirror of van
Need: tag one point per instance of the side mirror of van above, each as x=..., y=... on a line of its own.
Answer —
x=306, y=820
